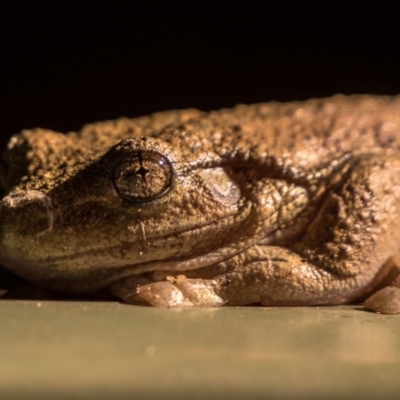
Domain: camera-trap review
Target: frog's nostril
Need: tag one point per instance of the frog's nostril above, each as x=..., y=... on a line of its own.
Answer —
x=26, y=213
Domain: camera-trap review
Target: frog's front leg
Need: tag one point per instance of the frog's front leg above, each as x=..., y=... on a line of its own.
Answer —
x=174, y=291
x=339, y=257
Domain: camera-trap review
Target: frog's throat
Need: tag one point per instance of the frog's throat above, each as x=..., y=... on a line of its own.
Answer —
x=74, y=273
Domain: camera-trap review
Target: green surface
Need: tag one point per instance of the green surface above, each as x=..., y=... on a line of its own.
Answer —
x=113, y=350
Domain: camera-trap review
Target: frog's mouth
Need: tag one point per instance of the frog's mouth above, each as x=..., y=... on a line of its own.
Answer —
x=96, y=269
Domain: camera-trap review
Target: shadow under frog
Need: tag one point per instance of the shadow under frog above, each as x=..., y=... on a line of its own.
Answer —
x=283, y=204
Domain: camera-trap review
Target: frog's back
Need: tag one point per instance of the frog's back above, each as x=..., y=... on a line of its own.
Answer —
x=333, y=125
x=309, y=132
x=304, y=134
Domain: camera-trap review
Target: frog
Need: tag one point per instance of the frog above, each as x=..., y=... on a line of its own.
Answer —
x=274, y=204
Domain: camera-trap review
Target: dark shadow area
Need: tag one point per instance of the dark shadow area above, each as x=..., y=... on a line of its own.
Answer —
x=67, y=65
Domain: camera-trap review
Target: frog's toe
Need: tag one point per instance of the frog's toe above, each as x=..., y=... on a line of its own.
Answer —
x=386, y=300
x=163, y=294
x=180, y=292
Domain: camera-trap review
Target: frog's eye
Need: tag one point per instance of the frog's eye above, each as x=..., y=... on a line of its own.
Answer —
x=145, y=177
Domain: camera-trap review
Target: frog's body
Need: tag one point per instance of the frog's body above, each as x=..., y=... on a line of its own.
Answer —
x=279, y=204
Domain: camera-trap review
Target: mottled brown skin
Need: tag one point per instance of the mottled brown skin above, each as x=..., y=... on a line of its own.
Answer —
x=278, y=203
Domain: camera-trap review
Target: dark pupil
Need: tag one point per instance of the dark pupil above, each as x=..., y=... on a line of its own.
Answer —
x=144, y=176
x=142, y=172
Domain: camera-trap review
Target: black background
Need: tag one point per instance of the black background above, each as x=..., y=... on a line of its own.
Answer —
x=67, y=65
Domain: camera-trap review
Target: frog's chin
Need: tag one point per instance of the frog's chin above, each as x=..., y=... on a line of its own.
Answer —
x=96, y=268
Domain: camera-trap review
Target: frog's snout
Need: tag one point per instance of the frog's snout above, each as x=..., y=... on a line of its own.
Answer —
x=26, y=213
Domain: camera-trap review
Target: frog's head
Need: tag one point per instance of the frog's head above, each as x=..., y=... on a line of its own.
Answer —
x=143, y=205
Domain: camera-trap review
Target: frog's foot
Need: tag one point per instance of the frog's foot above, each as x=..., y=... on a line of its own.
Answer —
x=386, y=300
x=180, y=292
x=176, y=291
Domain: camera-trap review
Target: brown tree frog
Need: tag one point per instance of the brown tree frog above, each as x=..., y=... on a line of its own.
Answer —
x=282, y=204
